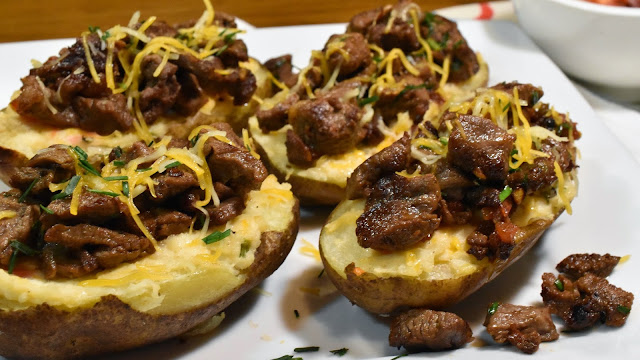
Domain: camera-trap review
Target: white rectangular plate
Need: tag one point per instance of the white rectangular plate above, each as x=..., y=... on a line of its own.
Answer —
x=263, y=325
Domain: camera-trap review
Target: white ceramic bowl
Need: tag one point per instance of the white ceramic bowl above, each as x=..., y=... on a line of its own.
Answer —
x=599, y=44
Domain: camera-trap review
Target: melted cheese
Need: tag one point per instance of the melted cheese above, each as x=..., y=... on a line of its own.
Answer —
x=7, y=214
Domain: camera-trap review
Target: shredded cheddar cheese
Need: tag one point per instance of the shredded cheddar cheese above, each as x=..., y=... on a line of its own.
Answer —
x=7, y=214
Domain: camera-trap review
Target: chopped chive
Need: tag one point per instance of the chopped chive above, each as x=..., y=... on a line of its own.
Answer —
x=434, y=45
x=369, y=100
x=108, y=193
x=412, y=87
x=222, y=32
x=399, y=356
x=229, y=37
x=46, y=209
x=105, y=36
x=321, y=273
x=504, y=194
x=221, y=50
x=173, y=164
x=244, y=248
x=534, y=98
x=81, y=153
x=306, y=349
x=12, y=262
x=428, y=20
x=151, y=143
x=444, y=141
x=125, y=188
x=118, y=151
x=339, y=352
x=377, y=59
x=68, y=190
x=118, y=163
x=492, y=308
x=23, y=248
x=143, y=170
x=296, y=313
x=194, y=140
x=506, y=107
x=93, y=28
x=87, y=166
x=216, y=236
x=24, y=195
x=623, y=309
x=559, y=284
x=116, y=178
x=287, y=357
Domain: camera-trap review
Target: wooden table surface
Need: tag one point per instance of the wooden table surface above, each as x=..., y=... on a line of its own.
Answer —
x=38, y=19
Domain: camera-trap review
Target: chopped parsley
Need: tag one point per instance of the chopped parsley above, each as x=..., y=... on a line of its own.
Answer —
x=173, y=164
x=369, y=100
x=46, y=209
x=216, y=236
x=24, y=195
x=68, y=190
x=623, y=309
x=492, y=308
x=504, y=194
x=339, y=352
x=559, y=284
x=306, y=349
x=101, y=192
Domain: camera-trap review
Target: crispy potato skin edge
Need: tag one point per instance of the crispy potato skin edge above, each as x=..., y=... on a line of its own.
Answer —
x=391, y=294
x=310, y=192
x=44, y=332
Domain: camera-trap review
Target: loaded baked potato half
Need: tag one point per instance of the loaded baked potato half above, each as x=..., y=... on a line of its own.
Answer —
x=393, y=68
x=140, y=81
x=436, y=215
x=101, y=254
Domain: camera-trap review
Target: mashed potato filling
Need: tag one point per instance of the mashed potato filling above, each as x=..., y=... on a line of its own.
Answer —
x=182, y=274
x=332, y=169
x=444, y=256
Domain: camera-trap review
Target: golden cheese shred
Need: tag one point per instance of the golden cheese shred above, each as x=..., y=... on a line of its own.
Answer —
x=562, y=191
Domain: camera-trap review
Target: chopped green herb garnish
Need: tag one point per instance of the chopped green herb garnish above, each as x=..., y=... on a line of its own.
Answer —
x=377, y=58
x=296, y=313
x=623, y=309
x=81, y=154
x=429, y=19
x=118, y=163
x=68, y=190
x=94, y=28
x=559, y=284
x=24, y=195
x=46, y=209
x=173, y=164
x=18, y=247
x=221, y=50
x=412, y=87
x=306, y=349
x=424, y=147
x=143, y=170
x=230, y=36
x=216, y=236
x=125, y=188
x=457, y=44
x=534, y=98
x=504, y=194
x=222, y=32
x=194, y=140
x=434, y=44
x=492, y=309
x=101, y=192
x=244, y=247
x=444, y=140
x=284, y=357
x=151, y=143
x=87, y=166
x=339, y=352
x=321, y=273
x=369, y=100
x=105, y=36
x=506, y=107
x=116, y=178
x=399, y=356
x=117, y=151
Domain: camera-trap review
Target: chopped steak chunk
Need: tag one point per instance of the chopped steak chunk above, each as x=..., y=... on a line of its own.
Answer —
x=578, y=265
x=425, y=329
x=522, y=326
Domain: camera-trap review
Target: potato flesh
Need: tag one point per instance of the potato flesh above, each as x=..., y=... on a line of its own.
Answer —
x=443, y=257
x=184, y=273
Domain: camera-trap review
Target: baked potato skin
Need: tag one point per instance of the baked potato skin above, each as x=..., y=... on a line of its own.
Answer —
x=44, y=332
x=387, y=295
x=309, y=191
